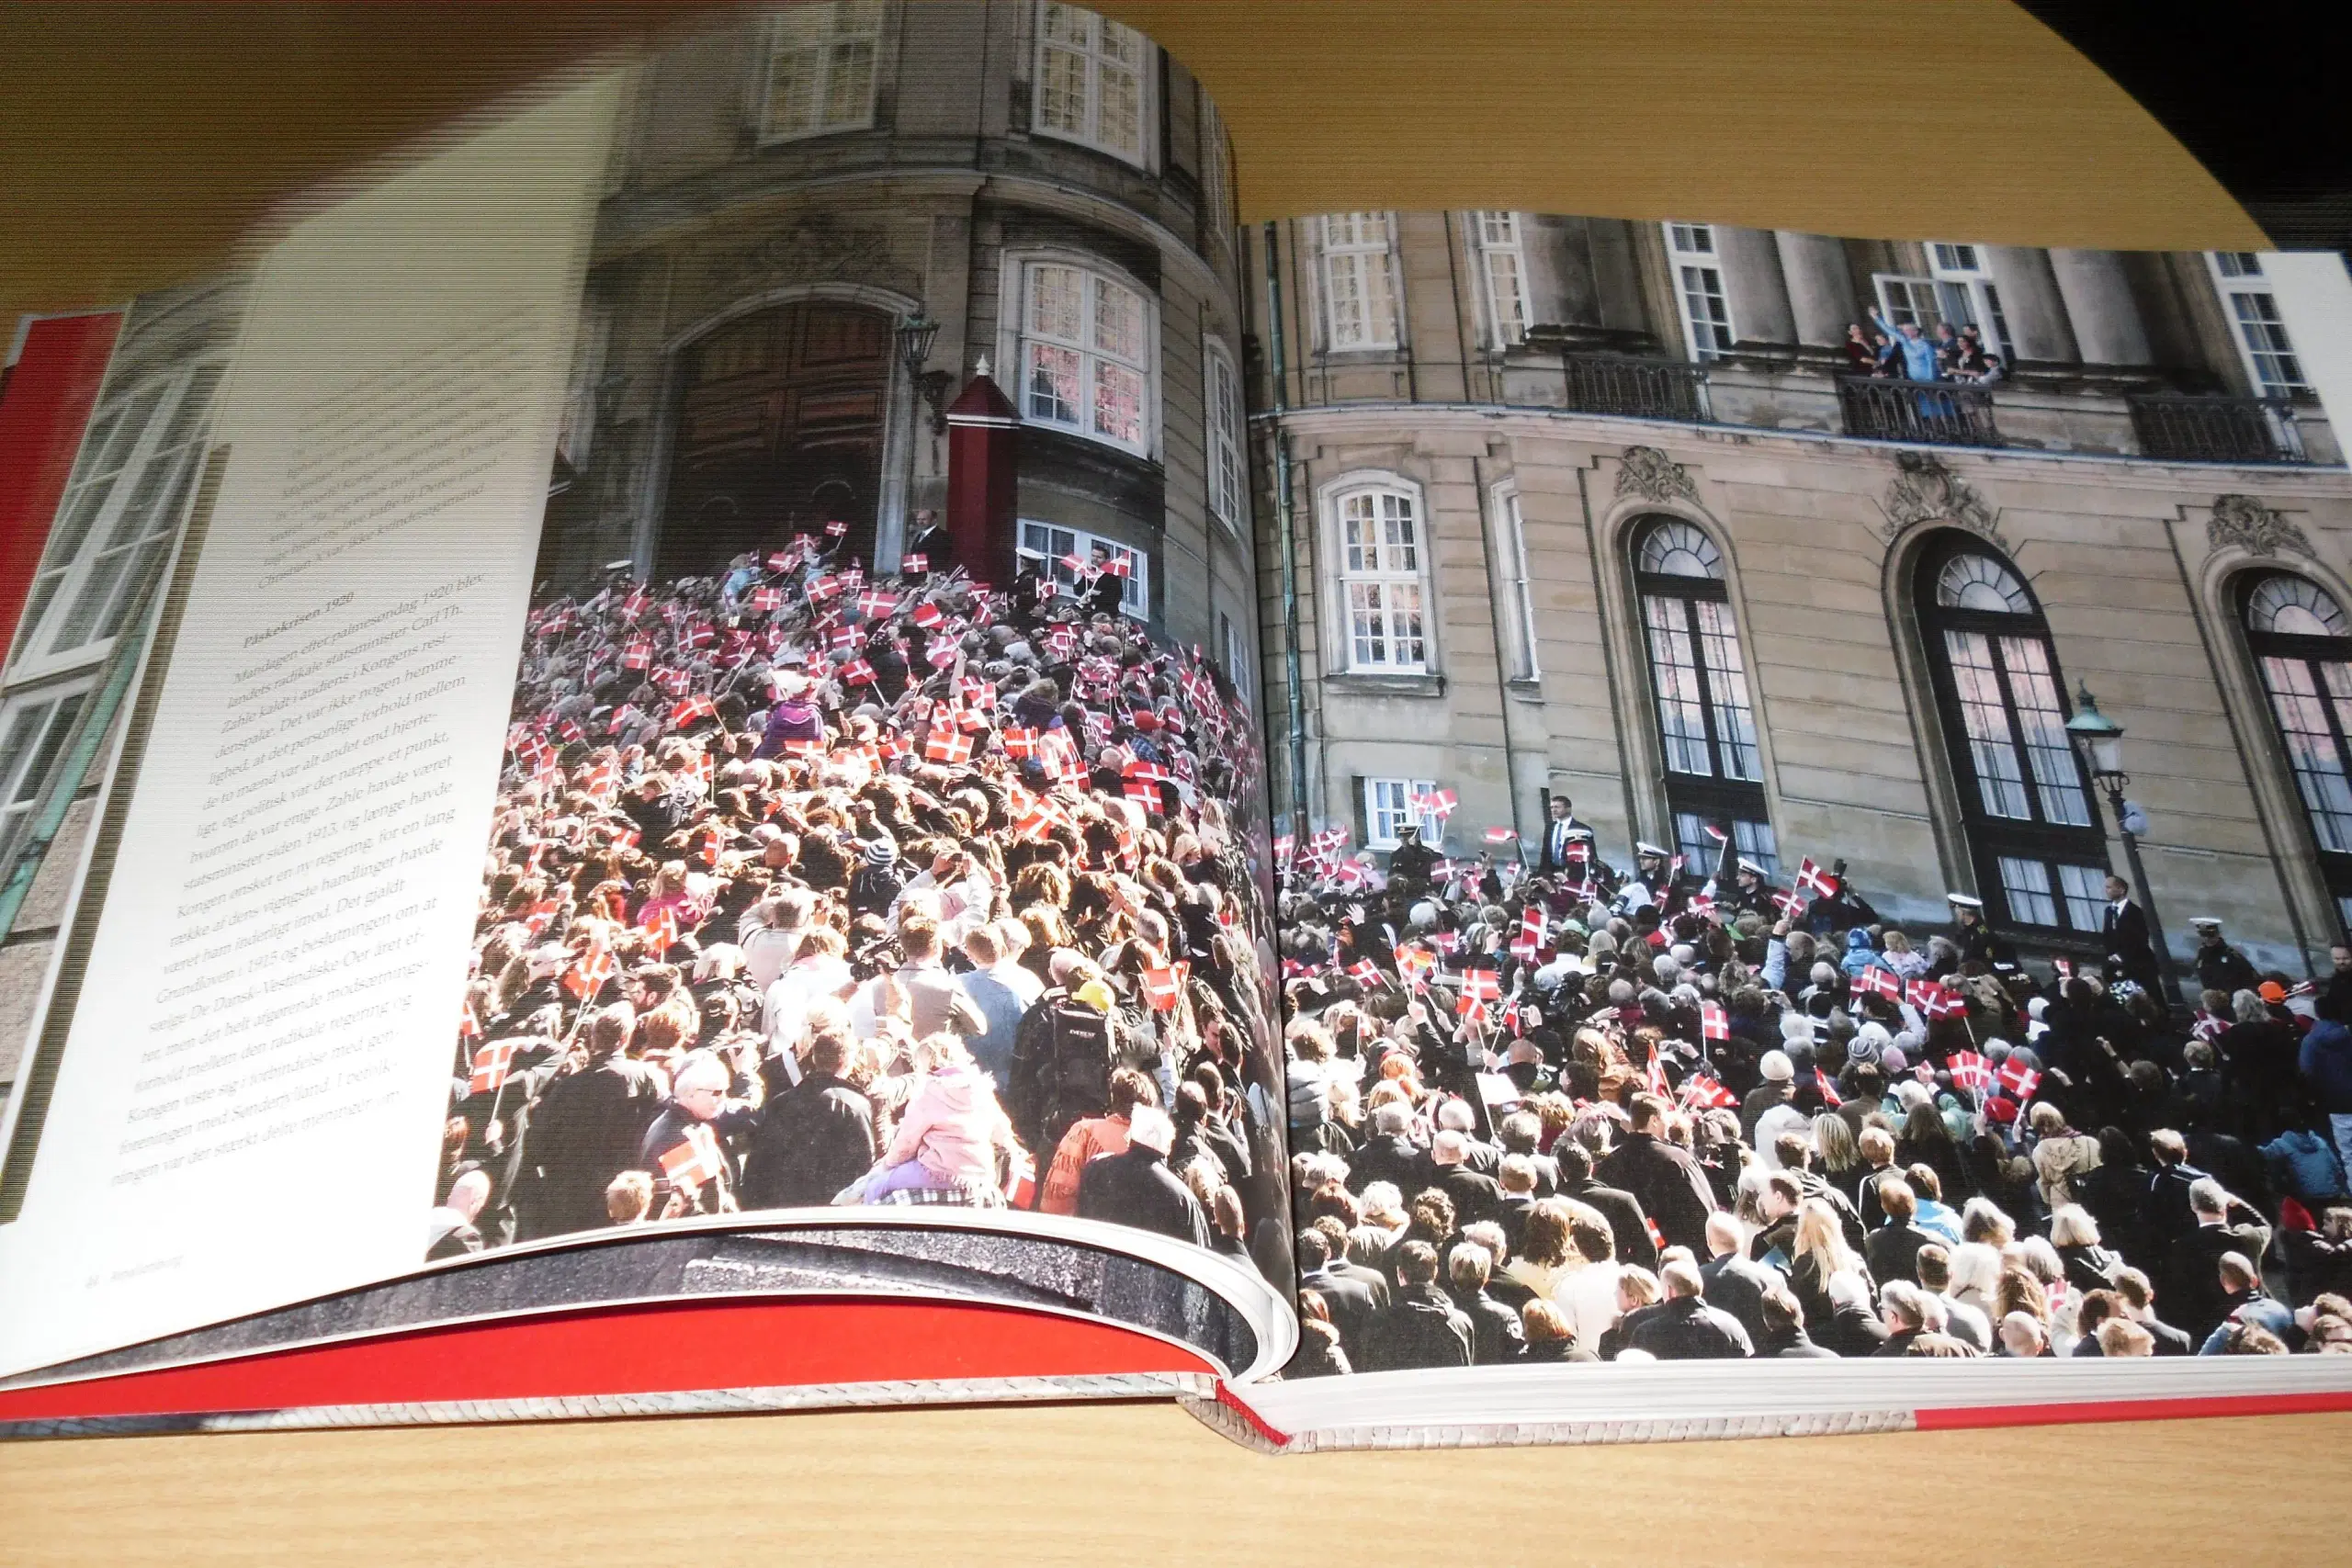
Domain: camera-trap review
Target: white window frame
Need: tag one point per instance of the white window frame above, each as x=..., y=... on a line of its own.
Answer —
x=1231, y=631
x=1098, y=66
x=1015, y=338
x=1967, y=296
x=35, y=655
x=1047, y=542
x=1381, y=820
x=1217, y=173
x=1223, y=437
x=1510, y=524
x=1500, y=240
x=1372, y=256
x=1695, y=267
x=1386, y=577
x=828, y=51
x=20, y=782
x=1901, y=295
x=2238, y=276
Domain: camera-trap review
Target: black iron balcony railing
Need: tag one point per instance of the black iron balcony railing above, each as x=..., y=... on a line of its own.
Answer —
x=1632, y=384
x=1940, y=414
x=2208, y=429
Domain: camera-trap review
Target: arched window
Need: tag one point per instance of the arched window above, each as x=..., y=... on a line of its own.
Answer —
x=2040, y=855
x=1085, y=349
x=1714, y=771
x=2302, y=647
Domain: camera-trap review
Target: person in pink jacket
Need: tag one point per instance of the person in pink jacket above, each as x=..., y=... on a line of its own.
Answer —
x=951, y=1130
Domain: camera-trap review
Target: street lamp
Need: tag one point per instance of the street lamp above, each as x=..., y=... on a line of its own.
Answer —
x=2100, y=741
x=915, y=339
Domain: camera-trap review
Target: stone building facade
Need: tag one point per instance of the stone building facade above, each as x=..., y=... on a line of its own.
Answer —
x=789, y=190
x=1592, y=508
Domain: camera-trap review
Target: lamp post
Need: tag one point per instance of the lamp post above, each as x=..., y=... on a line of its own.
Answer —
x=2100, y=741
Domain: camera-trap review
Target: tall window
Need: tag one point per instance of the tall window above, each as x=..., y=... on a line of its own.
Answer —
x=822, y=68
x=1234, y=638
x=1502, y=266
x=34, y=728
x=1715, y=770
x=1518, y=607
x=1699, y=283
x=1066, y=554
x=1228, y=470
x=2026, y=804
x=1380, y=581
x=1217, y=171
x=1967, y=296
x=1701, y=851
x=1389, y=804
x=2263, y=345
x=2302, y=647
x=1086, y=355
x=1090, y=81
x=1359, y=280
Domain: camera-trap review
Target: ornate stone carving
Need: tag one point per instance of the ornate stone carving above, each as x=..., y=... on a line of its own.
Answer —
x=813, y=250
x=1652, y=475
x=1925, y=492
x=2244, y=521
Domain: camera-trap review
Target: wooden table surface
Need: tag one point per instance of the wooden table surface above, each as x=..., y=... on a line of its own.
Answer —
x=136, y=142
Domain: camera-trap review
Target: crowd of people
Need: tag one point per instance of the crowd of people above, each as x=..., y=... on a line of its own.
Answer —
x=1544, y=1111
x=808, y=886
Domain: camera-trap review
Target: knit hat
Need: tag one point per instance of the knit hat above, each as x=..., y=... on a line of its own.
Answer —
x=1777, y=1066
x=881, y=852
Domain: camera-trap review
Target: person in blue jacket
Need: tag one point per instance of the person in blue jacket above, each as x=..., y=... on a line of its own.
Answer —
x=2325, y=1062
x=1917, y=354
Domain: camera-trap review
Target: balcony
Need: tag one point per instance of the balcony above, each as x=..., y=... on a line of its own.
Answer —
x=2207, y=429
x=1636, y=386
x=1935, y=413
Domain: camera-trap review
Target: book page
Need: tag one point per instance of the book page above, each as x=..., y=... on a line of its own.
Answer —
x=1825, y=830
x=293, y=879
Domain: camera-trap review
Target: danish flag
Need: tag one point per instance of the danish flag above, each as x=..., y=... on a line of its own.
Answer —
x=1484, y=985
x=1163, y=987
x=857, y=672
x=1829, y=1095
x=2018, y=1079
x=1934, y=998
x=589, y=971
x=1815, y=880
x=468, y=1026
x=1118, y=565
x=783, y=560
x=636, y=653
x=1879, y=982
x=942, y=653
x=1367, y=974
x=824, y=588
x=1439, y=803
x=540, y=913
x=695, y=1160
x=1969, y=1071
x=1502, y=835
x=1706, y=1093
x=634, y=605
x=1792, y=903
x=914, y=560
x=2064, y=967
x=1530, y=939
x=697, y=706
x=1654, y=1077
x=660, y=928
x=836, y=529
x=874, y=603
x=950, y=745
x=491, y=1065
x=927, y=614
x=701, y=634
x=1713, y=1022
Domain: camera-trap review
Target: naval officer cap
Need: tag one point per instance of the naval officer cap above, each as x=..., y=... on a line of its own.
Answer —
x=1964, y=901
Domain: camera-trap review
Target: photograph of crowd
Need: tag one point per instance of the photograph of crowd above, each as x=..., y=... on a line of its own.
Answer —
x=1543, y=1111
x=809, y=886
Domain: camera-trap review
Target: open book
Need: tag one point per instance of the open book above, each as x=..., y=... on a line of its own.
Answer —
x=785, y=728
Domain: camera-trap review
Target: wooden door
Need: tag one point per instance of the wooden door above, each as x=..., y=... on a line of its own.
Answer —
x=779, y=431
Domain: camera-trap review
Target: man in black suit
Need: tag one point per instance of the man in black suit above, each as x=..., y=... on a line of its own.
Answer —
x=2124, y=929
x=1422, y=1328
x=1559, y=831
x=1893, y=1249
x=1390, y=1155
x=1349, y=1303
x=1475, y=1197
x=932, y=545
x=1733, y=1280
x=1619, y=1207
x=1137, y=1188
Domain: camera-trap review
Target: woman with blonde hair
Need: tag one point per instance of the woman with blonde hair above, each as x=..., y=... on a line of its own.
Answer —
x=951, y=1132
x=1897, y=954
x=1819, y=1255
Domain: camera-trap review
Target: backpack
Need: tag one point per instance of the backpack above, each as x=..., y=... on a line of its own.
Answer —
x=1061, y=1070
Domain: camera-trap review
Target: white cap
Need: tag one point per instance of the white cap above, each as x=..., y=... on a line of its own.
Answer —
x=1964, y=901
x=1645, y=848
x=1749, y=866
x=2205, y=920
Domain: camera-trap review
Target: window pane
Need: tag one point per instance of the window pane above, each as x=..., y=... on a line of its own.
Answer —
x=2027, y=885
x=1405, y=624
x=1118, y=403
x=1755, y=840
x=1399, y=546
x=1052, y=384
x=2000, y=780
x=1706, y=311
x=2265, y=332
x=1118, y=321
x=1679, y=549
x=1367, y=623
x=1120, y=126
x=2086, y=890
x=2042, y=724
x=852, y=87
x=1695, y=844
x=2311, y=750
x=1056, y=302
x=1727, y=683
x=1681, y=715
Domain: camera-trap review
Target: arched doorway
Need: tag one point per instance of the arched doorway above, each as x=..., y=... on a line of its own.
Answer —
x=780, y=430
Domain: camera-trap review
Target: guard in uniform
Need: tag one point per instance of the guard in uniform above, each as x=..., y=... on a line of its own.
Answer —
x=1975, y=939
x=2220, y=966
x=1410, y=863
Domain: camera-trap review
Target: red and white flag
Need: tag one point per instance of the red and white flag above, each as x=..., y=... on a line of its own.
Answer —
x=836, y=529
x=1829, y=1095
x=857, y=672
x=1969, y=1071
x=1438, y=803
x=1879, y=982
x=1485, y=985
x=589, y=971
x=660, y=924
x=874, y=603
x=2018, y=1079
x=1713, y=1022
x=914, y=560
x=694, y=1160
x=697, y=706
x=1792, y=903
x=1163, y=987
x=1530, y=939
x=492, y=1064
x=1654, y=1076
x=824, y=588
x=1815, y=880
x=1502, y=835
x=1703, y=1091
x=950, y=745
x=1368, y=974
x=636, y=653
x=766, y=598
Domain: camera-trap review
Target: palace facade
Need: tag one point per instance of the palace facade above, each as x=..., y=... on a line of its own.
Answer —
x=1599, y=509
